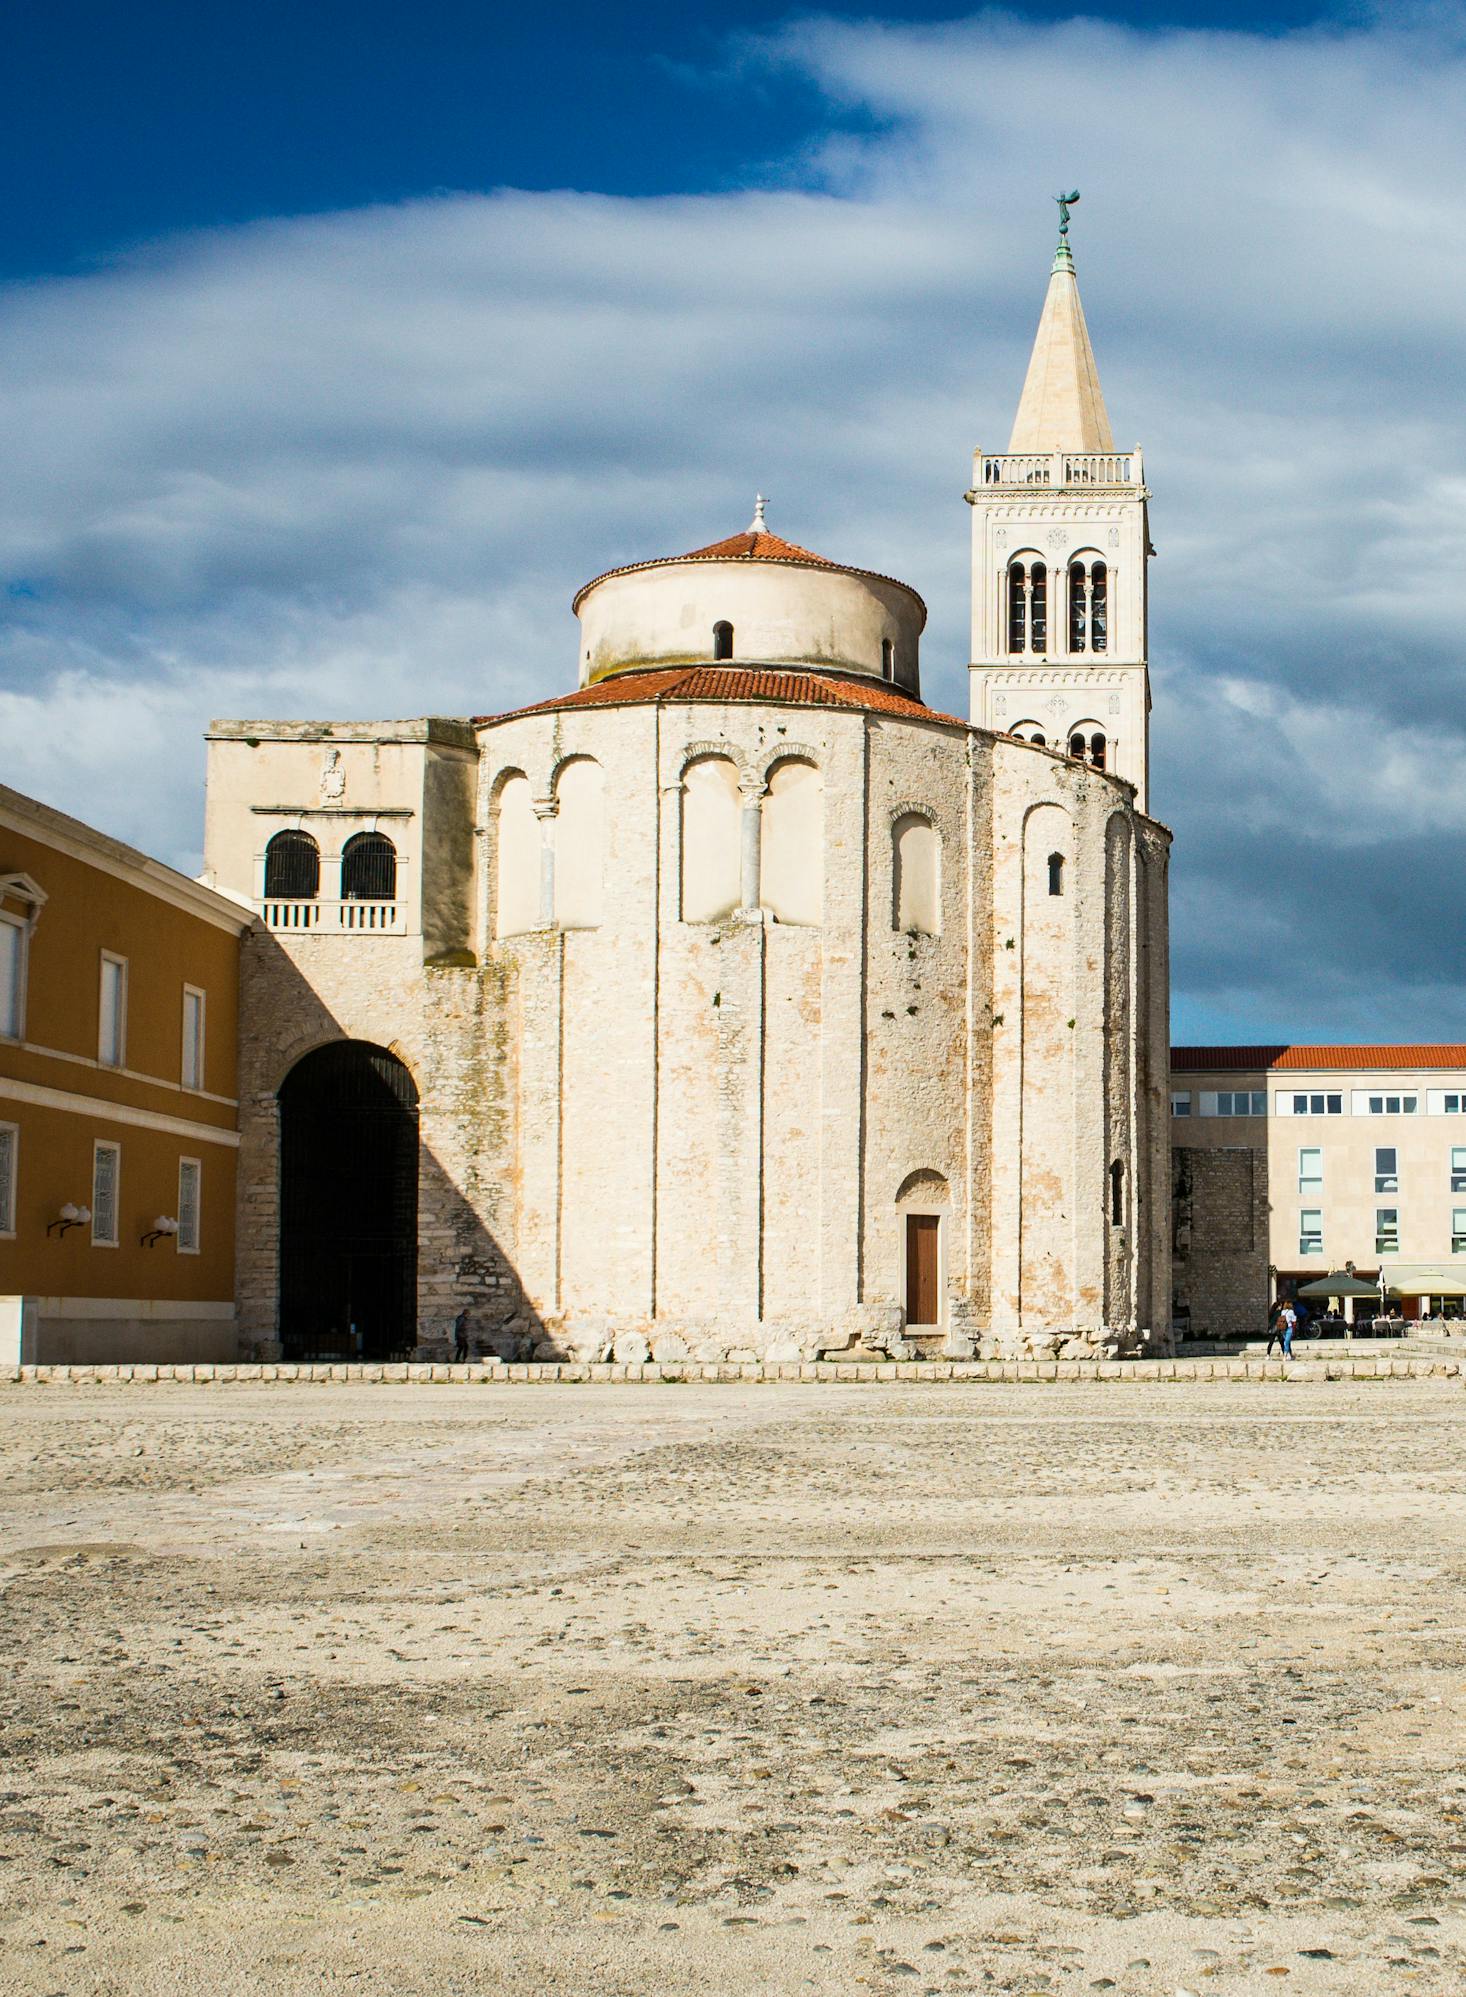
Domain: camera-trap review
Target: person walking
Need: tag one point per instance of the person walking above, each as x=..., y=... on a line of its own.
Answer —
x=460, y=1337
x=1288, y=1323
x=1274, y=1329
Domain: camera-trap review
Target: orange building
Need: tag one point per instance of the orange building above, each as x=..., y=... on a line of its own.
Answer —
x=119, y=983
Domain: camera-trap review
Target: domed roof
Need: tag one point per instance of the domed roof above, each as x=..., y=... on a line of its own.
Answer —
x=754, y=544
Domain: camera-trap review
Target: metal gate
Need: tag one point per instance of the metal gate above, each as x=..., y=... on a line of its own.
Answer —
x=348, y=1205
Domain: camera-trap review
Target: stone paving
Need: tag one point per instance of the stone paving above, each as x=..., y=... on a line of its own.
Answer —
x=734, y=1688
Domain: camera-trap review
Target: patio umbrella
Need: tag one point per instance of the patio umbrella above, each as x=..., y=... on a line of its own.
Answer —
x=1339, y=1284
x=1430, y=1283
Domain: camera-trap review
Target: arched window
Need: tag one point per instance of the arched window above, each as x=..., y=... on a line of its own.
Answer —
x=1038, y=608
x=916, y=885
x=1056, y=873
x=517, y=859
x=1097, y=751
x=1117, y=1194
x=580, y=844
x=1039, y=739
x=1017, y=606
x=711, y=822
x=1099, y=607
x=1078, y=618
x=722, y=640
x=888, y=659
x=792, y=844
x=1076, y=746
x=369, y=868
x=292, y=867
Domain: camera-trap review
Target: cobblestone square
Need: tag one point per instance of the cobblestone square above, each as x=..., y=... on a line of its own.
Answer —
x=658, y=1689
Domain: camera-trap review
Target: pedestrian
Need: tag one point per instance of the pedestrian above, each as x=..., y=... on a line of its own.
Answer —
x=1287, y=1319
x=1274, y=1329
x=460, y=1338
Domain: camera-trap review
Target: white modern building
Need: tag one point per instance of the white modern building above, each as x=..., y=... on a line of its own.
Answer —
x=1295, y=1161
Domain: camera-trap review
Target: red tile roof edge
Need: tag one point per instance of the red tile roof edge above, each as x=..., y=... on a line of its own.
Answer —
x=1206, y=1060
x=796, y=558
x=777, y=685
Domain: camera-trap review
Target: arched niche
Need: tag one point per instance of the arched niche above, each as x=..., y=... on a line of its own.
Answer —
x=516, y=857
x=710, y=839
x=792, y=867
x=580, y=844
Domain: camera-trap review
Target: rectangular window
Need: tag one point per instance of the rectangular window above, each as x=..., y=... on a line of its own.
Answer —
x=1312, y=1105
x=1234, y=1102
x=190, y=1176
x=1458, y=1168
x=1452, y=1105
x=13, y=941
x=193, y=1037
x=1310, y=1169
x=1310, y=1231
x=1393, y=1105
x=1181, y=1104
x=1387, y=1231
x=1386, y=1169
x=1458, y=1230
x=112, y=1026
x=106, y=1171
x=9, y=1156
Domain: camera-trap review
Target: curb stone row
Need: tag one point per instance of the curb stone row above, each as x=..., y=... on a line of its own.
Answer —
x=924, y=1372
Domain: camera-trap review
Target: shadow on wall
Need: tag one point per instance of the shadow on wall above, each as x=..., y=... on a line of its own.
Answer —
x=1219, y=1241
x=371, y=1188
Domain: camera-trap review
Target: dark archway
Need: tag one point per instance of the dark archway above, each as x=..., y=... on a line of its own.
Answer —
x=348, y=1205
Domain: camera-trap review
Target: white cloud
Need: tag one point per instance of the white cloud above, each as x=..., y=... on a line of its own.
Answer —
x=358, y=464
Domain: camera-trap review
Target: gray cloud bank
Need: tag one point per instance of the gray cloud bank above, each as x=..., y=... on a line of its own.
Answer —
x=357, y=465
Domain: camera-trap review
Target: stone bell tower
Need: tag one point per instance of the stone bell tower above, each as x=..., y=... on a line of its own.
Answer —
x=1060, y=542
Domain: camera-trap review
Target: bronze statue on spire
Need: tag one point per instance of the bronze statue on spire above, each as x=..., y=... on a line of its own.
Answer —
x=1066, y=202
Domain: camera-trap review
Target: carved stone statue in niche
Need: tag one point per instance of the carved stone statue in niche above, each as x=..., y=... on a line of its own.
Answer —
x=333, y=778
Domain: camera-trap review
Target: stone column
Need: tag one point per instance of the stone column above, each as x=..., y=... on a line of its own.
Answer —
x=751, y=789
x=544, y=810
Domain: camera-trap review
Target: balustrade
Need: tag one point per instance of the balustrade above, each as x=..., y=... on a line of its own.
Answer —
x=358, y=917
x=1062, y=468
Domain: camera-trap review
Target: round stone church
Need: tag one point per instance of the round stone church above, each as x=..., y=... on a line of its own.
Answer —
x=735, y=1004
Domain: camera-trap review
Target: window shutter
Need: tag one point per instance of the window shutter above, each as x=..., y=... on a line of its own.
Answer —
x=189, y=1172
x=7, y=1180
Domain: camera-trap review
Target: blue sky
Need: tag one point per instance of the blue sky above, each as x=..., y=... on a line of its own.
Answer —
x=124, y=123
x=339, y=345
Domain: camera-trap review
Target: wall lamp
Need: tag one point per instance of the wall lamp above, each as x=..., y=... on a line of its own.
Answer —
x=160, y=1230
x=71, y=1215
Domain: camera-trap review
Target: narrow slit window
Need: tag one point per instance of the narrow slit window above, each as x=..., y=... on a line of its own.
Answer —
x=1117, y=1194
x=888, y=659
x=1078, y=620
x=9, y=1148
x=1038, y=611
x=1056, y=873
x=193, y=1037
x=190, y=1176
x=106, y=1171
x=1099, y=608
x=1017, y=606
x=722, y=640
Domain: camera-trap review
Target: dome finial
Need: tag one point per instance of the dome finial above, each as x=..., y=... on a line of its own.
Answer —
x=758, y=524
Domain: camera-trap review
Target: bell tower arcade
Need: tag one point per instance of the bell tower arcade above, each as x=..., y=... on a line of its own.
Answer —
x=1060, y=543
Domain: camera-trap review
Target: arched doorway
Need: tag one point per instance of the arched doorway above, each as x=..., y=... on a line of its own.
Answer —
x=348, y=1205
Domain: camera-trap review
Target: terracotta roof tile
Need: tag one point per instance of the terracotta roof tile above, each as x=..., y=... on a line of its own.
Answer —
x=779, y=684
x=758, y=547
x=1205, y=1060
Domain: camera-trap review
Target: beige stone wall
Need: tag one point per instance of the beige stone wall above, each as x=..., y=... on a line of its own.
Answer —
x=706, y=1137
x=781, y=612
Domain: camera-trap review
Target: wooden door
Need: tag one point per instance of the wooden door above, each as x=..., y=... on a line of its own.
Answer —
x=922, y=1303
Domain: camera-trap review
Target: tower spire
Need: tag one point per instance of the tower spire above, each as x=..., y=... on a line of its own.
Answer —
x=1062, y=407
